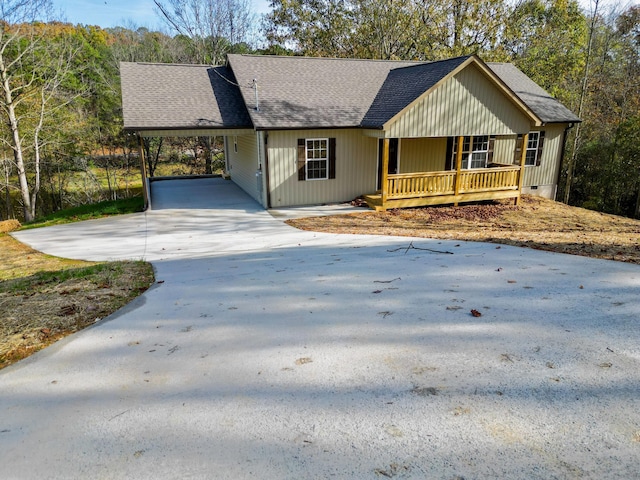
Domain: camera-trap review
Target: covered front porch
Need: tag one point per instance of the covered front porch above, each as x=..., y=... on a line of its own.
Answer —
x=494, y=181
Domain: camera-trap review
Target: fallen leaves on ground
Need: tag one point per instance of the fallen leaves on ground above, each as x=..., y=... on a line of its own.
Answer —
x=536, y=223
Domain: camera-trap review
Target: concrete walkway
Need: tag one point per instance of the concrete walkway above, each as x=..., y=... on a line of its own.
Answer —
x=273, y=353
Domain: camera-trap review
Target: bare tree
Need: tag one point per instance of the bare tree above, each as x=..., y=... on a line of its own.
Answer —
x=213, y=27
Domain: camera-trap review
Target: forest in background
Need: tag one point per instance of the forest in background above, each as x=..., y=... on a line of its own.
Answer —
x=61, y=130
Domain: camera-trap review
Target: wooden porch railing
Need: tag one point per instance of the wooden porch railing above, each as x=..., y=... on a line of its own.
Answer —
x=407, y=185
x=489, y=179
x=426, y=184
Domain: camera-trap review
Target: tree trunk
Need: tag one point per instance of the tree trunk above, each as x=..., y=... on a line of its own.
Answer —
x=37, y=150
x=583, y=92
x=16, y=141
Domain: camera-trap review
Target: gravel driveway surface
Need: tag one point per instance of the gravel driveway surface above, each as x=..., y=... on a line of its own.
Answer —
x=267, y=352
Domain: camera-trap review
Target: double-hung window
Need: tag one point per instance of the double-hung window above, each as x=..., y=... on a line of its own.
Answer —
x=533, y=149
x=533, y=144
x=476, y=151
x=316, y=158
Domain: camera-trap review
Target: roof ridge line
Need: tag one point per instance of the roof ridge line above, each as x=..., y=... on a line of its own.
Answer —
x=306, y=57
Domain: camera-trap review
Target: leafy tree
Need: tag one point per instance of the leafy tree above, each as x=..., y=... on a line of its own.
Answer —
x=607, y=173
x=311, y=27
x=35, y=75
x=546, y=40
x=386, y=29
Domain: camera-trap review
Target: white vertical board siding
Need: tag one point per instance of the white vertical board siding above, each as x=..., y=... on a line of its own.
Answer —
x=545, y=174
x=465, y=104
x=244, y=164
x=422, y=154
x=356, y=168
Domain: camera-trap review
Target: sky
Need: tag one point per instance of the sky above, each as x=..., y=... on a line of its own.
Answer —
x=138, y=13
x=119, y=13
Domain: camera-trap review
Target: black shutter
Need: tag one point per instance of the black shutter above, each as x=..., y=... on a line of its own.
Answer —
x=517, y=155
x=492, y=142
x=539, y=152
x=302, y=159
x=332, y=158
x=448, y=162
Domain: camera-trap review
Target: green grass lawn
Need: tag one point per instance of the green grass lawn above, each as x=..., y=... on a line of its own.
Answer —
x=89, y=211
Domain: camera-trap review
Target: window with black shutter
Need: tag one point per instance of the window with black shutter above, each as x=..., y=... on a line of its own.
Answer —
x=535, y=144
x=316, y=158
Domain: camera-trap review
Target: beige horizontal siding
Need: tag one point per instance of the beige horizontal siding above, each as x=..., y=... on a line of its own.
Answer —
x=356, y=168
x=465, y=104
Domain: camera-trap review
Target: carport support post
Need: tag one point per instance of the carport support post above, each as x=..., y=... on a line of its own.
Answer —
x=385, y=173
x=523, y=158
x=458, y=167
x=146, y=194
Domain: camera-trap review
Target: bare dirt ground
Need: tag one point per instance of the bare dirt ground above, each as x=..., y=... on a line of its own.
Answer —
x=536, y=223
x=45, y=298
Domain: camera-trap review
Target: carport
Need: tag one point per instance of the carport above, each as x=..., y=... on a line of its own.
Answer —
x=180, y=101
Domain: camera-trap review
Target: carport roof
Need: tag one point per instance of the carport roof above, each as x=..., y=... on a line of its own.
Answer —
x=171, y=96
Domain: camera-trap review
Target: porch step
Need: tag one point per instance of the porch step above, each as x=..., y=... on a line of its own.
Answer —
x=374, y=201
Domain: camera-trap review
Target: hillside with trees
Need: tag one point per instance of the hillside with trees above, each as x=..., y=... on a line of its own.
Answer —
x=61, y=129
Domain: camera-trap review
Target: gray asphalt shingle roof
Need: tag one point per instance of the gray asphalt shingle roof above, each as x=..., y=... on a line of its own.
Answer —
x=170, y=96
x=547, y=108
x=304, y=92
x=297, y=92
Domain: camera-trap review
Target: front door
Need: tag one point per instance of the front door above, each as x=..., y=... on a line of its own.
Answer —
x=393, y=159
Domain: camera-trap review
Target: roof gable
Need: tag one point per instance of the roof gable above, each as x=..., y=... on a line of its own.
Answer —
x=465, y=102
x=403, y=86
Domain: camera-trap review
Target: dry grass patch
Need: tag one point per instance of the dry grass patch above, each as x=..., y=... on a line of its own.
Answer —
x=9, y=225
x=536, y=223
x=44, y=298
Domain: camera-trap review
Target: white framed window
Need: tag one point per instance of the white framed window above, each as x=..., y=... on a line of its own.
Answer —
x=533, y=143
x=533, y=149
x=475, y=152
x=317, y=158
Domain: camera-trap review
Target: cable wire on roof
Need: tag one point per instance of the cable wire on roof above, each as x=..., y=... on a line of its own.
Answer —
x=225, y=78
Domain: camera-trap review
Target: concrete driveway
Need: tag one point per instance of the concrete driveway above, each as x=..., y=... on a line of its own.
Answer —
x=273, y=353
